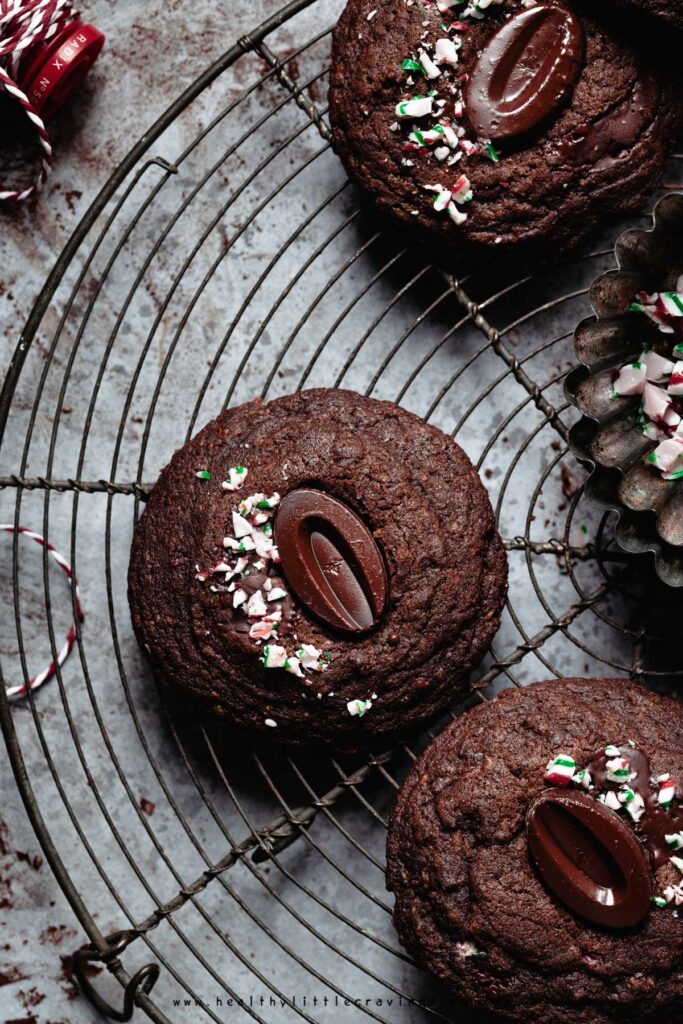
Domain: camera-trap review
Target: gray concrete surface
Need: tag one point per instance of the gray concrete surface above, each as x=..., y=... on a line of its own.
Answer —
x=149, y=350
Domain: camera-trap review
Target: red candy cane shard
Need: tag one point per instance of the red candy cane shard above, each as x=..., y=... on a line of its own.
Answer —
x=20, y=690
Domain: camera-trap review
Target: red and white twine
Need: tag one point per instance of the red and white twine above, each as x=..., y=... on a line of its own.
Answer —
x=20, y=690
x=24, y=24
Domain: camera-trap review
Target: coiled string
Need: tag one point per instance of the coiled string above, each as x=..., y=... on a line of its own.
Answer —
x=25, y=24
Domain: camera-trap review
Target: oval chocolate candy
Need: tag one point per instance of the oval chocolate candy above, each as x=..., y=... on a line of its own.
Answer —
x=331, y=560
x=589, y=858
x=525, y=72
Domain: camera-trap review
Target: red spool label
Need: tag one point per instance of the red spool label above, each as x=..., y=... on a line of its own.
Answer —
x=64, y=69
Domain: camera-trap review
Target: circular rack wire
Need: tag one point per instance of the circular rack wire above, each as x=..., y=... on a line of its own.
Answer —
x=220, y=263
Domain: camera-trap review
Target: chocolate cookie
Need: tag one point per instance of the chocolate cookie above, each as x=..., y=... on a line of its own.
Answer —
x=324, y=569
x=514, y=127
x=533, y=851
x=669, y=12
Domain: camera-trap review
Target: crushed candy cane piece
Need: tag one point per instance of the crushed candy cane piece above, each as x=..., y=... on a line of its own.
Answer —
x=675, y=840
x=268, y=503
x=633, y=802
x=450, y=136
x=668, y=455
x=236, y=477
x=256, y=606
x=430, y=68
x=445, y=52
x=667, y=791
x=310, y=657
x=617, y=769
x=631, y=380
x=276, y=594
x=358, y=707
x=582, y=778
x=239, y=597
x=274, y=656
x=560, y=770
x=677, y=863
x=462, y=193
x=674, y=894
x=456, y=216
x=442, y=198
x=418, y=106
x=466, y=949
x=657, y=368
x=426, y=137
x=262, y=630
x=675, y=385
x=203, y=474
x=611, y=800
x=241, y=527
x=655, y=402
x=293, y=665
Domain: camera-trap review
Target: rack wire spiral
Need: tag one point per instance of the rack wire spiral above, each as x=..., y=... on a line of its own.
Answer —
x=246, y=264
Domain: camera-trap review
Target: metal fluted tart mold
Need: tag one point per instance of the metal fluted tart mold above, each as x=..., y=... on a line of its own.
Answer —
x=608, y=438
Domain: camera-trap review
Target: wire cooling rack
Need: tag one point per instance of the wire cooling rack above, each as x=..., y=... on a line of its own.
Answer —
x=218, y=881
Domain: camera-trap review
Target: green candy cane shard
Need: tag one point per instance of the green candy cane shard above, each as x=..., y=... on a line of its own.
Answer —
x=673, y=297
x=412, y=65
x=492, y=153
x=203, y=474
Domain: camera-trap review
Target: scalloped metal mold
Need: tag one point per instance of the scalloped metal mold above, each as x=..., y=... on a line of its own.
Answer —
x=606, y=438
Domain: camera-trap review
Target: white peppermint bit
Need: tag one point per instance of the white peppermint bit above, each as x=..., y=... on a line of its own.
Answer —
x=270, y=722
x=465, y=949
x=430, y=68
x=610, y=800
x=446, y=52
x=239, y=597
x=657, y=368
x=256, y=606
x=241, y=527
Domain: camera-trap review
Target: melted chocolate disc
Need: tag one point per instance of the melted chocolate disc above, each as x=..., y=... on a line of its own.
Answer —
x=331, y=560
x=525, y=72
x=589, y=857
